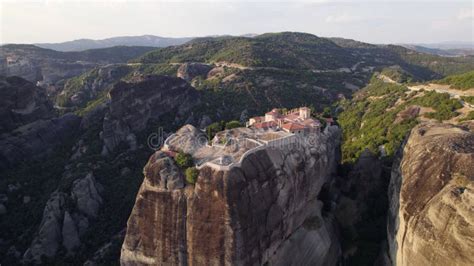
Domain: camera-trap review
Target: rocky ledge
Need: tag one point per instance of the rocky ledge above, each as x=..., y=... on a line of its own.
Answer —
x=265, y=210
x=431, y=197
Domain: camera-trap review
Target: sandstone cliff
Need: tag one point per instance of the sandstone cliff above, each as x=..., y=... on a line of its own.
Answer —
x=431, y=194
x=265, y=210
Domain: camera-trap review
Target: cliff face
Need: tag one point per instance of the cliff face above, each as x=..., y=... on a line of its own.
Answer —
x=431, y=194
x=135, y=103
x=21, y=102
x=264, y=211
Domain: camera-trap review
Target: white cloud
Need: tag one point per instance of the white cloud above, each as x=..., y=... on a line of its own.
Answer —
x=466, y=14
x=343, y=18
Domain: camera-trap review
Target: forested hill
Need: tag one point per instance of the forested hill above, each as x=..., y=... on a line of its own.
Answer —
x=116, y=54
x=307, y=51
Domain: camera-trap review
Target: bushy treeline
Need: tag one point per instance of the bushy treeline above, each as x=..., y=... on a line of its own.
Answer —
x=462, y=82
x=372, y=119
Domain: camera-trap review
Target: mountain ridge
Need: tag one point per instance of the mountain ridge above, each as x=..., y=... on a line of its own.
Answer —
x=141, y=40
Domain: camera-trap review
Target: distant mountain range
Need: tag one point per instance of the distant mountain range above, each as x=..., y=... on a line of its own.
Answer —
x=444, y=48
x=86, y=44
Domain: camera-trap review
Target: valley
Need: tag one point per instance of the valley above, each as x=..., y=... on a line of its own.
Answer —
x=84, y=183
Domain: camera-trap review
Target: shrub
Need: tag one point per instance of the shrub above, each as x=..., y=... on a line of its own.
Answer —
x=232, y=124
x=191, y=175
x=184, y=160
x=213, y=129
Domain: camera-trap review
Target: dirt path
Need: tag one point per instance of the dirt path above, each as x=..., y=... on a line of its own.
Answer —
x=443, y=89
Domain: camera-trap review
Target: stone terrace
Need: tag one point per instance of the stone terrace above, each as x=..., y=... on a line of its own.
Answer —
x=227, y=148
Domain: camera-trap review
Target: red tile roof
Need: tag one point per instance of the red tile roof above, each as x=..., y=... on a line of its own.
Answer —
x=293, y=126
x=258, y=118
x=264, y=125
x=273, y=112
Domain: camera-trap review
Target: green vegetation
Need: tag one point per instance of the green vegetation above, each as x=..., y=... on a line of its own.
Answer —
x=462, y=82
x=468, y=99
x=214, y=128
x=155, y=69
x=217, y=127
x=397, y=74
x=371, y=120
x=192, y=174
x=184, y=160
x=233, y=124
x=441, y=102
x=283, y=50
x=469, y=116
x=90, y=85
x=437, y=64
x=91, y=105
x=116, y=54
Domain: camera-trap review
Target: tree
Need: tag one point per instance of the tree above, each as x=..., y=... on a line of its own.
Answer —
x=326, y=112
x=213, y=128
x=232, y=124
x=184, y=160
x=191, y=175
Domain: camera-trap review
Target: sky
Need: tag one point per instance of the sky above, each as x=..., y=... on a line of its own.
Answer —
x=382, y=21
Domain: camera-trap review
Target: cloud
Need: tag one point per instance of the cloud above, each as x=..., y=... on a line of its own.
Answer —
x=343, y=18
x=466, y=14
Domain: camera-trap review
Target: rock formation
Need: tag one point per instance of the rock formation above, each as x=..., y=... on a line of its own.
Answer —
x=47, y=66
x=21, y=102
x=188, y=71
x=265, y=211
x=431, y=194
x=65, y=219
x=79, y=90
x=145, y=98
x=36, y=140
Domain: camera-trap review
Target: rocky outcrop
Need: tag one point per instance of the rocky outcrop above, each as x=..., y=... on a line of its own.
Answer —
x=36, y=140
x=47, y=67
x=65, y=219
x=85, y=192
x=21, y=102
x=431, y=195
x=144, y=99
x=37, y=64
x=189, y=71
x=79, y=90
x=265, y=211
x=48, y=239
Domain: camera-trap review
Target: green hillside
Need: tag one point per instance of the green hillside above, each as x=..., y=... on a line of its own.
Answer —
x=438, y=64
x=381, y=114
x=462, y=82
x=282, y=50
x=116, y=54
